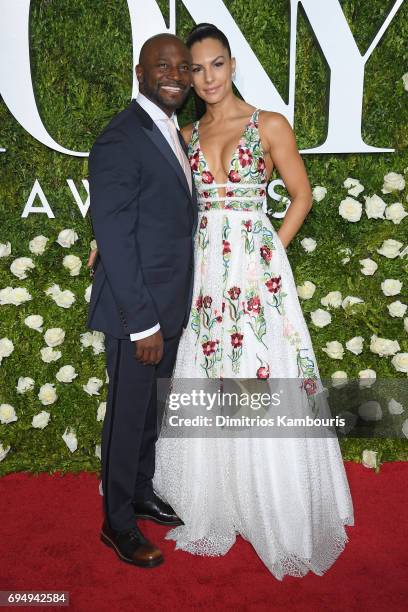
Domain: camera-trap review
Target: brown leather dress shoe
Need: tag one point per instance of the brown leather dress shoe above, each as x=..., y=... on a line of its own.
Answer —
x=131, y=546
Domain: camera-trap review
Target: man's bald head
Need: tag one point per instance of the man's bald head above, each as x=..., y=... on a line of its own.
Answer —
x=164, y=71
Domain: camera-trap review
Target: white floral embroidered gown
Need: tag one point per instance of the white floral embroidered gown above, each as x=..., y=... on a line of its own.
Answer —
x=289, y=497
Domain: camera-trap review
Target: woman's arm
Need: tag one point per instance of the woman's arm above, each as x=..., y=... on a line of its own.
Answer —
x=278, y=140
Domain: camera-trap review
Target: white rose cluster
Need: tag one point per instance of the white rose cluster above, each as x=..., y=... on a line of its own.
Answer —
x=7, y=414
x=66, y=374
x=63, y=299
x=24, y=384
x=47, y=394
x=5, y=249
x=93, y=386
x=14, y=295
x=34, y=322
x=95, y=340
x=37, y=245
x=66, y=238
x=73, y=264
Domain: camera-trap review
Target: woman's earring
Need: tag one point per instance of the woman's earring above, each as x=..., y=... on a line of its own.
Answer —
x=234, y=74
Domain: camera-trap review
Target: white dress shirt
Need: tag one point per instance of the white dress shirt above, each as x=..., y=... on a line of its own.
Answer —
x=157, y=115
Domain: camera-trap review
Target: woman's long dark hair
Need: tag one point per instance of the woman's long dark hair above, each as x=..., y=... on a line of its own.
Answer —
x=200, y=32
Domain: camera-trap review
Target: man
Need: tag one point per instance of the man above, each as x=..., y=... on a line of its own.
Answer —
x=144, y=215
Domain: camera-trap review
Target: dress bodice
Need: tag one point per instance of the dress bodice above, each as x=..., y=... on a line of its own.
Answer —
x=245, y=189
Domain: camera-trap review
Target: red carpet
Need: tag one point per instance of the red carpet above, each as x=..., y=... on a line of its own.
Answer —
x=49, y=535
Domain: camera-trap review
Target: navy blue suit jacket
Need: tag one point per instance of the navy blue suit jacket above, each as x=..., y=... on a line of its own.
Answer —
x=144, y=219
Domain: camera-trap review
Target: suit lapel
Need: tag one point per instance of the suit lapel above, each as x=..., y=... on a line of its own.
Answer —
x=165, y=149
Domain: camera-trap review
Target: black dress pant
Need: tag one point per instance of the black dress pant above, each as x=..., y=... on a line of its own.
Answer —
x=130, y=428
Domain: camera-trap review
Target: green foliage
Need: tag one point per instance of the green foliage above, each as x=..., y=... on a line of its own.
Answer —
x=82, y=70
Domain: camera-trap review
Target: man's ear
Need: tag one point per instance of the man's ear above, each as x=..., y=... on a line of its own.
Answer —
x=139, y=73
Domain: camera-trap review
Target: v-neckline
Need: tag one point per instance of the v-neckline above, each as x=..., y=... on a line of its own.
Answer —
x=204, y=159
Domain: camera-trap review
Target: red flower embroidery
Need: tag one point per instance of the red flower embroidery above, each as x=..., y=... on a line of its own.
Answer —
x=194, y=159
x=207, y=301
x=207, y=206
x=262, y=372
x=234, y=176
x=207, y=177
x=236, y=340
x=309, y=386
x=248, y=225
x=229, y=194
x=210, y=347
x=226, y=247
x=274, y=284
x=203, y=222
x=245, y=157
x=234, y=293
x=254, y=305
x=199, y=302
x=261, y=164
x=266, y=253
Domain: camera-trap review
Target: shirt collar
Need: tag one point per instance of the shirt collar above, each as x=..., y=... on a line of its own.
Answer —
x=155, y=112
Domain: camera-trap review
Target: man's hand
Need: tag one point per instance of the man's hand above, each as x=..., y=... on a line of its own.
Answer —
x=149, y=351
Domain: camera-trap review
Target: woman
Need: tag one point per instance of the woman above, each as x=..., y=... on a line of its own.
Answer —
x=288, y=496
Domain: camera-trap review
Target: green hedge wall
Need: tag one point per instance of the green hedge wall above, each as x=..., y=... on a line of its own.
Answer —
x=82, y=69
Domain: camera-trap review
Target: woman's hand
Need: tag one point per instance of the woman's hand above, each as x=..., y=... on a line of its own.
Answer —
x=92, y=258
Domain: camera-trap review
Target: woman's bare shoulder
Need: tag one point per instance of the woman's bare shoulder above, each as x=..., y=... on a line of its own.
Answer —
x=272, y=119
x=274, y=127
x=186, y=132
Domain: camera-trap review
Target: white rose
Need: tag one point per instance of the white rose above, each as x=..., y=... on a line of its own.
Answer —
x=374, y=207
x=394, y=407
x=331, y=300
x=66, y=238
x=100, y=414
x=320, y=317
x=53, y=290
x=3, y=451
x=24, y=383
x=355, y=345
x=391, y=286
x=319, y=193
x=6, y=348
x=393, y=182
x=5, y=249
x=400, y=362
x=404, y=429
x=395, y=213
x=47, y=394
x=369, y=266
x=14, y=296
x=367, y=378
x=66, y=374
x=73, y=264
x=34, y=322
x=351, y=300
x=48, y=354
x=87, y=294
x=369, y=459
x=20, y=266
x=70, y=439
x=306, y=290
x=390, y=248
x=37, y=245
x=405, y=81
x=309, y=244
x=40, y=420
x=20, y=295
x=354, y=186
x=92, y=386
x=7, y=414
x=339, y=378
x=350, y=209
x=86, y=339
x=95, y=339
x=397, y=309
x=334, y=349
x=54, y=336
x=98, y=451
x=370, y=411
x=92, y=245
x=383, y=347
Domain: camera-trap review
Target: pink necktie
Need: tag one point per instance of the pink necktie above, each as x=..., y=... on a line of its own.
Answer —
x=178, y=150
